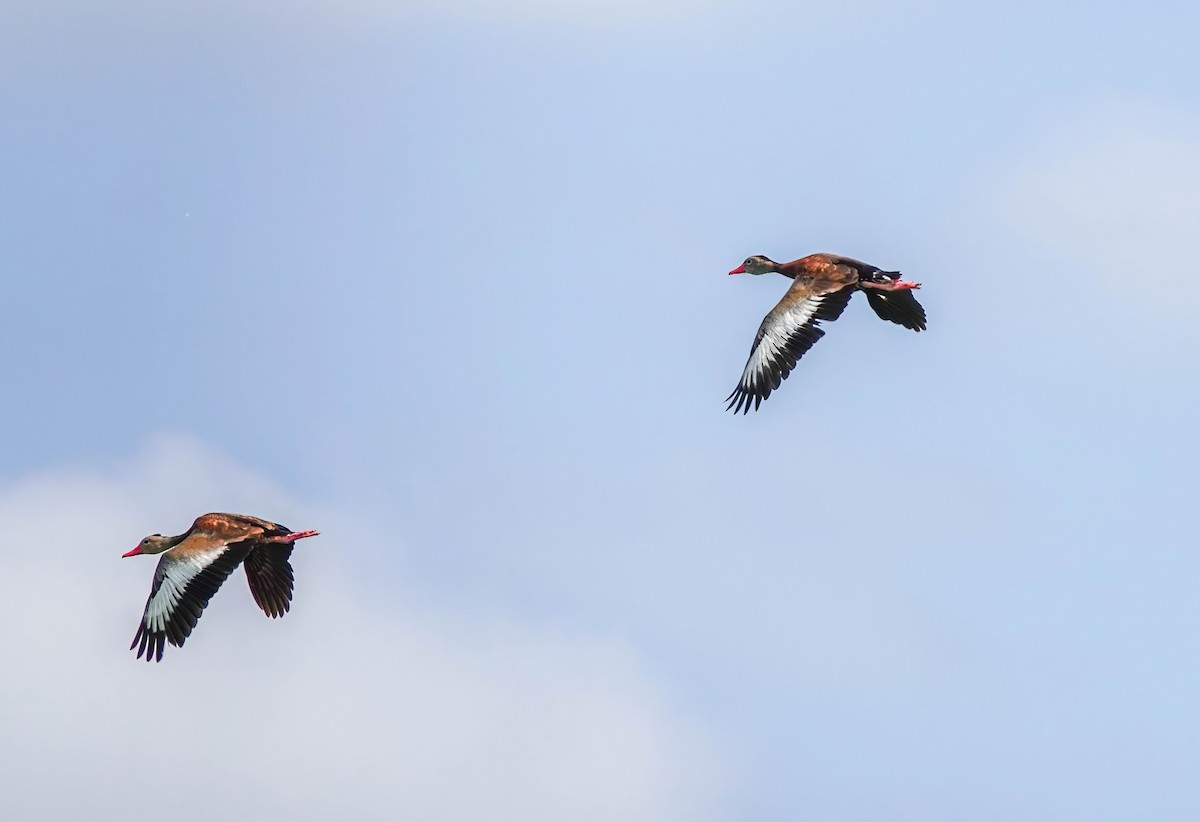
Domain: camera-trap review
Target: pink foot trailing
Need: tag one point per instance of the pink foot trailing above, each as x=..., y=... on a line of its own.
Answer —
x=885, y=284
x=298, y=535
x=292, y=537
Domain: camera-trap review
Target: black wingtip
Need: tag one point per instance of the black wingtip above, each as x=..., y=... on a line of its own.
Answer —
x=899, y=307
x=741, y=400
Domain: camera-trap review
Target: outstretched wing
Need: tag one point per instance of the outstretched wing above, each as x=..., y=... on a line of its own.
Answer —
x=270, y=576
x=786, y=334
x=183, y=584
x=900, y=307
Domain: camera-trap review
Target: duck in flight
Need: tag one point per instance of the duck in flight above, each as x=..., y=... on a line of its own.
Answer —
x=195, y=563
x=822, y=286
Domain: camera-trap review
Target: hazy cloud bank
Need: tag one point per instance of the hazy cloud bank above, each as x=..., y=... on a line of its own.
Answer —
x=359, y=702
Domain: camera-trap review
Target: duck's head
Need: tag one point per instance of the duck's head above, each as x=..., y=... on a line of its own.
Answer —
x=153, y=544
x=758, y=264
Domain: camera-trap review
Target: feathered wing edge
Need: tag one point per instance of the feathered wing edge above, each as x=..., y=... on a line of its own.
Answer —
x=270, y=577
x=189, y=603
x=899, y=307
x=785, y=335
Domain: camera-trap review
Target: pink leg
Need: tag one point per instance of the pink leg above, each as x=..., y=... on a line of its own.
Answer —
x=292, y=537
x=889, y=285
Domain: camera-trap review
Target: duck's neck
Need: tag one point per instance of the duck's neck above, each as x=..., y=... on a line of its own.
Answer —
x=167, y=543
x=773, y=267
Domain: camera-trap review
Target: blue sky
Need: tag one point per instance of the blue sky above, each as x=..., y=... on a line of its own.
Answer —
x=446, y=281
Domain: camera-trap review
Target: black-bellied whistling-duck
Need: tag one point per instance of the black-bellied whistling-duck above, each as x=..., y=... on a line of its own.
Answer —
x=823, y=284
x=195, y=563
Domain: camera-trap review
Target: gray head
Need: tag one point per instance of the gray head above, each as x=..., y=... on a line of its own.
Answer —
x=153, y=544
x=758, y=264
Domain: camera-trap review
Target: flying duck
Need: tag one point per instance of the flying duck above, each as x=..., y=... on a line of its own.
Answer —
x=823, y=284
x=195, y=563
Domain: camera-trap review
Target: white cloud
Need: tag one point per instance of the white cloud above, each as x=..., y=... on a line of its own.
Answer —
x=362, y=703
x=1117, y=190
x=572, y=10
x=591, y=12
x=290, y=13
x=322, y=18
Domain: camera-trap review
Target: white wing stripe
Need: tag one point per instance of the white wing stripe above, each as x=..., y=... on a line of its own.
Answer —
x=775, y=337
x=177, y=573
